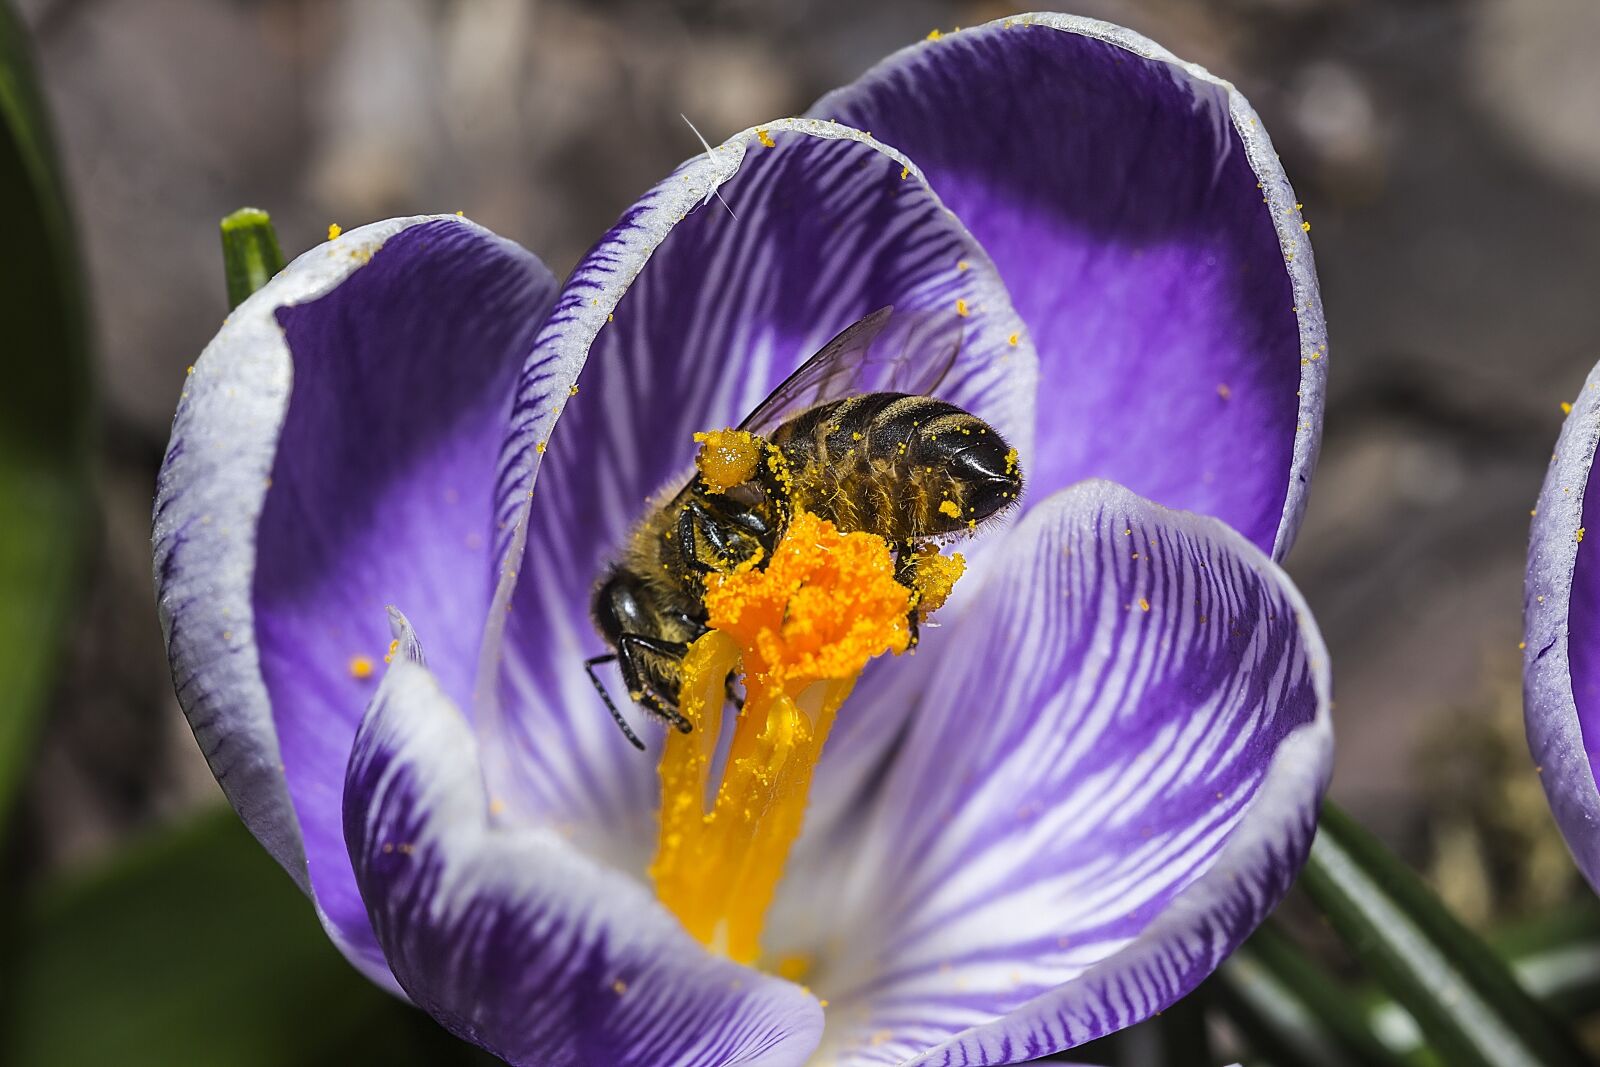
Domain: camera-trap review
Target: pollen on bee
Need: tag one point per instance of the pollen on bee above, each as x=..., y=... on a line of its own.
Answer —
x=361, y=667
x=727, y=457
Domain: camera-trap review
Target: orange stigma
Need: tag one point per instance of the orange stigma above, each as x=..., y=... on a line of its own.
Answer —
x=800, y=629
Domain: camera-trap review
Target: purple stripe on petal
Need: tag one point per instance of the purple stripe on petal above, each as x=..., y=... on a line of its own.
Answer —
x=1140, y=218
x=288, y=516
x=1113, y=776
x=513, y=940
x=1561, y=619
x=691, y=310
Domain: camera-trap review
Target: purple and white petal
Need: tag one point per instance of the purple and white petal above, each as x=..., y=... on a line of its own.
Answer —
x=1138, y=213
x=1561, y=620
x=706, y=295
x=1101, y=796
x=513, y=940
x=334, y=452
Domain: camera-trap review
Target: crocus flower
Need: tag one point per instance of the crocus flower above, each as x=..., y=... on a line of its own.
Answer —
x=1561, y=622
x=1052, y=820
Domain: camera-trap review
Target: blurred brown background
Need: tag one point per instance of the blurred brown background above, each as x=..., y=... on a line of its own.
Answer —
x=1447, y=152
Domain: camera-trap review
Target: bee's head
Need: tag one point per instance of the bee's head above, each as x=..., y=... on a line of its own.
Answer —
x=621, y=605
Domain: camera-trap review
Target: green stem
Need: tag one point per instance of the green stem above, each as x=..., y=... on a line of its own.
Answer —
x=250, y=253
x=1465, y=1000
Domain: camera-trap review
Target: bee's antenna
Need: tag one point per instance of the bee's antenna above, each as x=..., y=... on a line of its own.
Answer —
x=714, y=190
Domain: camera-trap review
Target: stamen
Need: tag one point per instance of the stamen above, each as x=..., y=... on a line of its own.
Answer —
x=801, y=629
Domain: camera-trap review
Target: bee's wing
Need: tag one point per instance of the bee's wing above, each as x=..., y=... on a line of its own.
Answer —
x=914, y=358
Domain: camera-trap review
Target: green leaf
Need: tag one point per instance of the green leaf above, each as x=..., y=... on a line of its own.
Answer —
x=44, y=410
x=1291, y=1012
x=1466, y=1001
x=250, y=253
x=195, y=948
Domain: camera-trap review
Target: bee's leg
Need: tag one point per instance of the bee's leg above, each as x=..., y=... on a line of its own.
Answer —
x=628, y=648
x=627, y=731
x=688, y=548
x=905, y=571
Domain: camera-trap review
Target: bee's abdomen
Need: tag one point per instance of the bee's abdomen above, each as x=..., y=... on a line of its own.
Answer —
x=903, y=467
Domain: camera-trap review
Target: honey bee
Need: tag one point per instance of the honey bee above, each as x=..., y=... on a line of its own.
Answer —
x=852, y=436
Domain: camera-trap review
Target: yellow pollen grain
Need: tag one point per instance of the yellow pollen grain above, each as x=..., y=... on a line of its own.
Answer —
x=1144, y=605
x=1014, y=339
x=765, y=138
x=799, y=630
x=905, y=172
x=394, y=646
x=539, y=448
x=794, y=966
x=1566, y=408
x=1306, y=226
x=1223, y=391
x=962, y=264
x=334, y=230
x=727, y=457
x=619, y=987
x=933, y=35
x=950, y=508
x=1578, y=536
x=961, y=308
x=361, y=667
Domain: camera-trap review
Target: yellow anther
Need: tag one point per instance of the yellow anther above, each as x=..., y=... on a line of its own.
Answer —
x=727, y=457
x=800, y=630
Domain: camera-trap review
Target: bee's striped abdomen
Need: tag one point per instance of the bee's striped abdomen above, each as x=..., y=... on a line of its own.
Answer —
x=902, y=467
